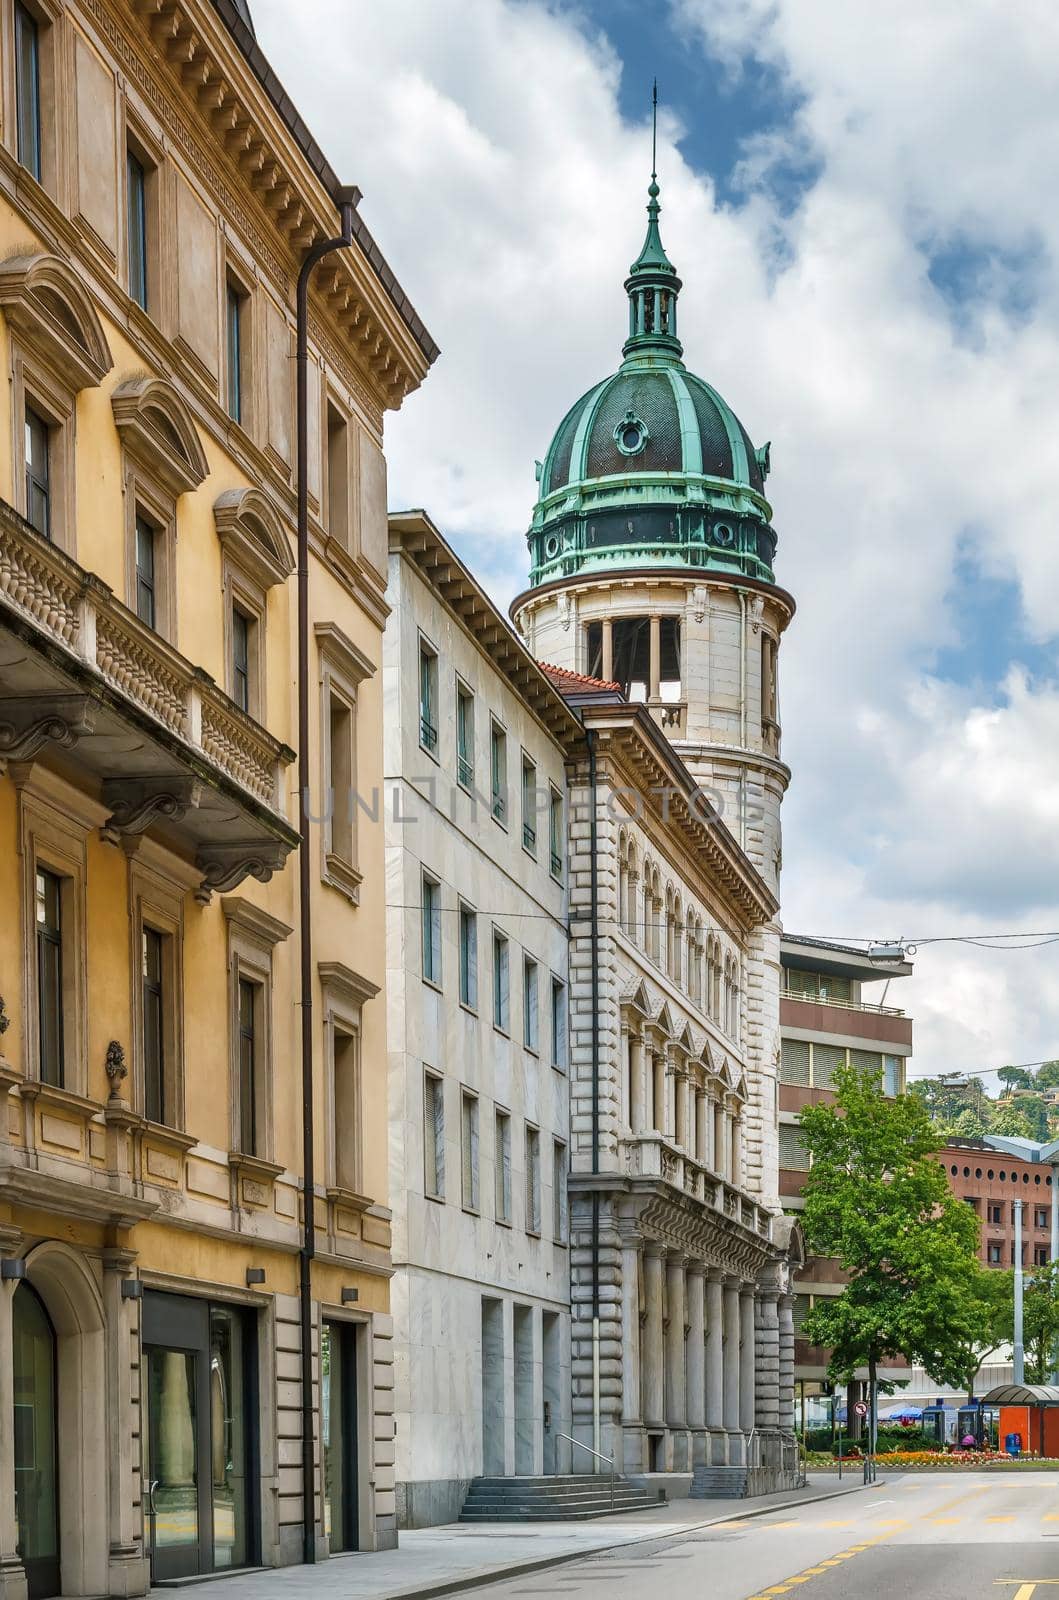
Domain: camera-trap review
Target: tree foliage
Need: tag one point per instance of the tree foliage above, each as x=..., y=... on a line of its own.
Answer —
x=1011, y=1122
x=879, y=1203
x=1040, y=1321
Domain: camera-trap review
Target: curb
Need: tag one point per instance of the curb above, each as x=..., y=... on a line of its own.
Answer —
x=517, y=1569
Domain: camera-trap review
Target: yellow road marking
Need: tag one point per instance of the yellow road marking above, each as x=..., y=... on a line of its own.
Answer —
x=1051, y=1516
x=792, y=1524
x=1026, y=1592
x=893, y=1522
x=931, y=1516
x=941, y=1520
x=1000, y=1519
x=845, y=1524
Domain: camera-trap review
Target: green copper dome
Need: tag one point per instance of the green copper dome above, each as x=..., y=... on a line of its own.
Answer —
x=651, y=467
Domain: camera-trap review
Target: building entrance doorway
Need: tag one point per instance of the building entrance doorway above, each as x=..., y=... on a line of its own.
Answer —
x=339, y=1428
x=200, y=1460
x=36, y=1443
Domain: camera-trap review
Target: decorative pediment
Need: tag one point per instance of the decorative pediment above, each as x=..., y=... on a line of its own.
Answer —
x=157, y=431
x=637, y=999
x=664, y=1021
x=252, y=533
x=708, y=1063
x=685, y=1041
x=46, y=302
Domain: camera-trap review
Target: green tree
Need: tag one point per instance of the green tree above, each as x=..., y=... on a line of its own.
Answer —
x=1040, y=1321
x=878, y=1202
x=990, y=1297
x=1048, y=1075
x=1035, y=1109
x=1016, y=1077
x=1010, y=1122
x=968, y=1125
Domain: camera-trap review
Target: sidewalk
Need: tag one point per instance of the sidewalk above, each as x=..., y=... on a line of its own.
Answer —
x=457, y=1557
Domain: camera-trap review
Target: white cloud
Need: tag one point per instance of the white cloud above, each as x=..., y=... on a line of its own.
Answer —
x=507, y=192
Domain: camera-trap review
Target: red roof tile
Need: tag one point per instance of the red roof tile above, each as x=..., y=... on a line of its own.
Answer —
x=563, y=677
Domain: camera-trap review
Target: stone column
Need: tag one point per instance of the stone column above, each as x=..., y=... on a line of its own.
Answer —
x=680, y=1111
x=786, y=1361
x=658, y=1110
x=625, y=1063
x=746, y=1358
x=125, y=1410
x=636, y=1084
x=719, y=1139
x=630, y=1324
x=608, y=650
x=655, y=658
x=695, y=1278
x=700, y=1126
x=652, y=1355
x=714, y=1350
x=767, y=1360
x=676, y=1383
x=731, y=1354
x=735, y=1163
x=12, y=1573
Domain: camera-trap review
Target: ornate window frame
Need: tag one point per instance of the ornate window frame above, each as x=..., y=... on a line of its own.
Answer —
x=58, y=347
x=49, y=836
x=342, y=669
x=256, y=557
x=157, y=901
x=253, y=935
x=343, y=994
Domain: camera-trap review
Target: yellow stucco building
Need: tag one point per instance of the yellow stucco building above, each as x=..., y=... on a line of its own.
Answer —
x=158, y=194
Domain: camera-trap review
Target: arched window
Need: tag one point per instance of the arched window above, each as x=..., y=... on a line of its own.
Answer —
x=715, y=984
x=623, y=882
x=632, y=903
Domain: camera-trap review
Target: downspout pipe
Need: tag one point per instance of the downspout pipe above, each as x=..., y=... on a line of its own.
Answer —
x=347, y=199
x=593, y=843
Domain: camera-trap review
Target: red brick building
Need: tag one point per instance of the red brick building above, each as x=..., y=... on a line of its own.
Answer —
x=992, y=1176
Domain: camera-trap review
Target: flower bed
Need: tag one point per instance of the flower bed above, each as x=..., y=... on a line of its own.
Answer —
x=936, y=1461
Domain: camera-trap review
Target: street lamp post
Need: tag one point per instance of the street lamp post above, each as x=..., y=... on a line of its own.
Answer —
x=1018, y=1352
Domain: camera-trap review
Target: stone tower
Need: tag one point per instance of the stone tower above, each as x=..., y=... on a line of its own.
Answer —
x=651, y=563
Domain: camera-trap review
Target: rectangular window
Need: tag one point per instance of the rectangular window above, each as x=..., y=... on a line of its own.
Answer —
x=555, y=834
x=428, y=697
x=136, y=223
x=1040, y=1255
x=502, y=1167
x=1040, y=1219
x=558, y=1191
x=501, y=988
x=345, y=1073
x=249, y=1028
x=431, y=930
x=533, y=1180
x=530, y=1026
x=234, y=312
x=154, y=1026
x=469, y=1143
x=27, y=90
x=794, y=1061
x=996, y=1212
x=38, y=473
x=340, y=778
x=891, y=1075
x=242, y=635
x=468, y=957
x=146, y=593
x=338, y=476
x=558, y=1040
x=434, y=1135
x=793, y=1155
x=529, y=805
x=464, y=736
x=50, y=976
x=995, y=1255
x=498, y=771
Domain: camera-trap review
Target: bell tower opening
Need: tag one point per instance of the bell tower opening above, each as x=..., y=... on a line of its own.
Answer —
x=642, y=654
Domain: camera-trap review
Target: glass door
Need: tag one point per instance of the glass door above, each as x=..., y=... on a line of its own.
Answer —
x=36, y=1453
x=339, y=1428
x=197, y=1473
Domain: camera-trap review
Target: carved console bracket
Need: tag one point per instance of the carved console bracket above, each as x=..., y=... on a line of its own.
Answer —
x=29, y=722
x=135, y=803
x=224, y=866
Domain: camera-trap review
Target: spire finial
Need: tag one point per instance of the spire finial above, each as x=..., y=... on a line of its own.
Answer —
x=654, y=130
x=652, y=284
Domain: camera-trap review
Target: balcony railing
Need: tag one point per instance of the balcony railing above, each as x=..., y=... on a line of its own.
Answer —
x=78, y=612
x=843, y=1005
x=649, y=1155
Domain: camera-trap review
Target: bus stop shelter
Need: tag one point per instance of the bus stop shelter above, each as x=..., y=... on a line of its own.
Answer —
x=1032, y=1411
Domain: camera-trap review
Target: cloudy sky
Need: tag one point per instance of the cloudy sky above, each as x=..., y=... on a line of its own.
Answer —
x=861, y=202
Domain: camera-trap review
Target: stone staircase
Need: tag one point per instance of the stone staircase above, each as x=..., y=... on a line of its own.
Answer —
x=718, y=1483
x=572, y=1498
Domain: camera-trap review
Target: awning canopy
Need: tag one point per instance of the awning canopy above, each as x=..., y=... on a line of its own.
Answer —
x=1023, y=1394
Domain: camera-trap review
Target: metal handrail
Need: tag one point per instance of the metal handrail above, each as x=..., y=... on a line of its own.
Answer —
x=598, y=1455
x=843, y=1005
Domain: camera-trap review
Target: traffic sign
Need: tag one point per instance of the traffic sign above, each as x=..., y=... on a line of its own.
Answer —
x=861, y=1408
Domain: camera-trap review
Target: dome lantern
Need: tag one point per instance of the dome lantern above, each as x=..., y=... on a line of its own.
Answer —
x=652, y=285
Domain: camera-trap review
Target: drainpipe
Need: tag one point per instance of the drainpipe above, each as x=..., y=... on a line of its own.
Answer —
x=347, y=200
x=590, y=738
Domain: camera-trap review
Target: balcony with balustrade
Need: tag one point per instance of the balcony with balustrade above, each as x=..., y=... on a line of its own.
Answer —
x=83, y=680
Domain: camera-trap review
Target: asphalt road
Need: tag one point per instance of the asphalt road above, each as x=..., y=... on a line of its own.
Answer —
x=952, y=1536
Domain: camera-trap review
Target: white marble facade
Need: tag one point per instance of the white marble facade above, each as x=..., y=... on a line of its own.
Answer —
x=478, y=1091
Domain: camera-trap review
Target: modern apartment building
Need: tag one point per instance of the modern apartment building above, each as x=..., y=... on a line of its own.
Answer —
x=994, y=1175
x=477, y=971
x=828, y=1021
x=159, y=195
